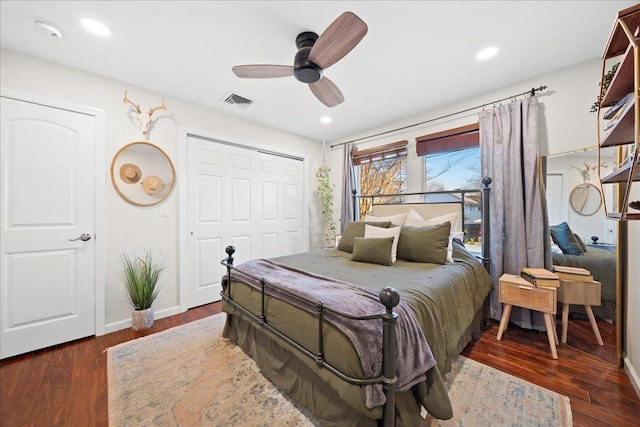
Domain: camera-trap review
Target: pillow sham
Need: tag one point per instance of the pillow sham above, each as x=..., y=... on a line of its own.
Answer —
x=424, y=244
x=562, y=235
x=452, y=218
x=374, y=250
x=370, y=231
x=398, y=219
x=355, y=229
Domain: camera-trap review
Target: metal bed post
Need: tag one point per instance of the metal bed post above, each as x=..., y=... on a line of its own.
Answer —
x=226, y=287
x=486, y=224
x=390, y=298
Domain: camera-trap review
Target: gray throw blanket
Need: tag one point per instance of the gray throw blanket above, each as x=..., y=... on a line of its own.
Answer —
x=413, y=355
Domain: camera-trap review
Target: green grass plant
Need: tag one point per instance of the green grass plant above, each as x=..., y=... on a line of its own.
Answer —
x=141, y=276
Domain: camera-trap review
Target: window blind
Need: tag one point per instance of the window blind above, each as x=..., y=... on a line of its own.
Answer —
x=383, y=152
x=449, y=140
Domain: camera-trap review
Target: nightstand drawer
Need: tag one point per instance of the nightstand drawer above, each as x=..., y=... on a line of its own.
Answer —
x=581, y=293
x=517, y=291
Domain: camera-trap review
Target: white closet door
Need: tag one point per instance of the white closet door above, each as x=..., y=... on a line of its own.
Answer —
x=241, y=197
x=47, y=192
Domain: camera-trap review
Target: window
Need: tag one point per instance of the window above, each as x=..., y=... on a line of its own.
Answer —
x=382, y=170
x=452, y=162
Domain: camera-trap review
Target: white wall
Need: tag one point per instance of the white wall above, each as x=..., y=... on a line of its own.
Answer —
x=130, y=227
x=566, y=125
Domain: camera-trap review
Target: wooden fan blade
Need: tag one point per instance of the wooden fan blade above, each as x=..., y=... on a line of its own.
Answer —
x=337, y=40
x=327, y=92
x=262, y=71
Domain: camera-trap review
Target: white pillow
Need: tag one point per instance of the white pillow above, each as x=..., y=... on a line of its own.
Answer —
x=398, y=219
x=373, y=231
x=452, y=218
x=414, y=215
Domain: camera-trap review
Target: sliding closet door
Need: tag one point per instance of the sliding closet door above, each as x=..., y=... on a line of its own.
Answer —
x=242, y=197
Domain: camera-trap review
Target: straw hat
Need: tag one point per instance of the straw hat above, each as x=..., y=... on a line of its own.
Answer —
x=152, y=184
x=130, y=173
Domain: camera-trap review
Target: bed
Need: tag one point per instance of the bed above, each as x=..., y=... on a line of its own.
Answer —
x=297, y=317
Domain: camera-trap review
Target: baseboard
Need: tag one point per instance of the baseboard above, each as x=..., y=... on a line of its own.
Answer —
x=123, y=324
x=632, y=374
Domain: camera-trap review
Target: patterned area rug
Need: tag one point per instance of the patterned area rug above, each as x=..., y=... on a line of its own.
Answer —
x=190, y=376
x=484, y=396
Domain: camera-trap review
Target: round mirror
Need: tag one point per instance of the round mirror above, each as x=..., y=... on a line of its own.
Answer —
x=142, y=174
x=586, y=199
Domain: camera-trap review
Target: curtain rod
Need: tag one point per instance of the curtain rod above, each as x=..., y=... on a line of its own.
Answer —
x=531, y=92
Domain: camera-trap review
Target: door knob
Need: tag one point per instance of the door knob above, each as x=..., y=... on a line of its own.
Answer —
x=84, y=237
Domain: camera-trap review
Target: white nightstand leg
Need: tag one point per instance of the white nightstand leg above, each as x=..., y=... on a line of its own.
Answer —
x=552, y=339
x=594, y=325
x=504, y=320
x=565, y=321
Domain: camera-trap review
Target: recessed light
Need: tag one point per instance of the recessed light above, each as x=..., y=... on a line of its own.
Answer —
x=48, y=30
x=487, y=53
x=95, y=27
x=325, y=119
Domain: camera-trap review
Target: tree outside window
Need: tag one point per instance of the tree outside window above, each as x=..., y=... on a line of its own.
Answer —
x=388, y=176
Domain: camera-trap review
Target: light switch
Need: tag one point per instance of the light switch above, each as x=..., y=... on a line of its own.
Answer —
x=164, y=210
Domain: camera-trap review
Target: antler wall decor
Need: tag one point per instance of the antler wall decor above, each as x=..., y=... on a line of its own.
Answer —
x=588, y=170
x=144, y=119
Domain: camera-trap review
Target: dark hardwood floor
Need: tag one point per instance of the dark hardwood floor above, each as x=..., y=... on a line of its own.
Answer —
x=66, y=385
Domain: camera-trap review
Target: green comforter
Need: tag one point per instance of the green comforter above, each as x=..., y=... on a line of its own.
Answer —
x=445, y=298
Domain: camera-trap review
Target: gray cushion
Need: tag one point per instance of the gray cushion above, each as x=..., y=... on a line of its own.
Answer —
x=565, y=239
x=356, y=229
x=375, y=250
x=424, y=244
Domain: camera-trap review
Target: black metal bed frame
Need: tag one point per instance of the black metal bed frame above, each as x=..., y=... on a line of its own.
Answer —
x=389, y=297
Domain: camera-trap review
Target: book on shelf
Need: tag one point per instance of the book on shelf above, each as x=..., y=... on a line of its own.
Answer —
x=540, y=277
x=575, y=274
x=616, y=109
x=619, y=114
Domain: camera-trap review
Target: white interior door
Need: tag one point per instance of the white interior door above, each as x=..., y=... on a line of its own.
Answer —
x=47, y=192
x=242, y=197
x=554, y=193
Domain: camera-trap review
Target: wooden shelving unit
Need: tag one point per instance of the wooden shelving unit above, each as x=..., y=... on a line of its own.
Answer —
x=624, y=131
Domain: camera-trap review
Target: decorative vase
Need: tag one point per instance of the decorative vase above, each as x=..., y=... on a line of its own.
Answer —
x=142, y=319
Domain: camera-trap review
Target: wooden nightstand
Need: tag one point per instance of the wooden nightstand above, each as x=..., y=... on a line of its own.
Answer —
x=514, y=290
x=581, y=293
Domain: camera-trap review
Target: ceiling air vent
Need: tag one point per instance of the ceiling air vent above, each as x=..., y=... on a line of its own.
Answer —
x=237, y=100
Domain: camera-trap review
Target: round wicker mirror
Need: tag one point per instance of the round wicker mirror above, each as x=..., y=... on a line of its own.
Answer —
x=585, y=199
x=142, y=174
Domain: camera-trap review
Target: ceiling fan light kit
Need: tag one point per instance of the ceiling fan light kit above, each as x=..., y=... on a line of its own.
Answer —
x=315, y=54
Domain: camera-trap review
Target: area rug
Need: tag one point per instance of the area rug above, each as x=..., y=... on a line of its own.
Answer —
x=191, y=376
x=484, y=396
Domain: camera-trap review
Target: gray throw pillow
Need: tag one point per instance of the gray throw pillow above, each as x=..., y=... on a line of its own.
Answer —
x=374, y=250
x=424, y=244
x=356, y=229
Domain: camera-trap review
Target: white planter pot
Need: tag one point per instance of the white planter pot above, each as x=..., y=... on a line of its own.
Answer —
x=142, y=319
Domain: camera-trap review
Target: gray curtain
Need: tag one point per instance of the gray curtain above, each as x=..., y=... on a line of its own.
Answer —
x=349, y=184
x=509, y=152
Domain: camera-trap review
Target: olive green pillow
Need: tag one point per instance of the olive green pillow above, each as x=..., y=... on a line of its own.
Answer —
x=374, y=250
x=580, y=242
x=424, y=244
x=356, y=229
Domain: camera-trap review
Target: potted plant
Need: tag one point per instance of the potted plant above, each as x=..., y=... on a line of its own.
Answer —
x=141, y=276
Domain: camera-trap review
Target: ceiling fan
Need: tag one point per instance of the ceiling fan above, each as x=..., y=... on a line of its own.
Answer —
x=315, y=54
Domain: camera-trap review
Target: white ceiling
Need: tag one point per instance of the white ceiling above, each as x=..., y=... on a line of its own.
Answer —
x=417, y=56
